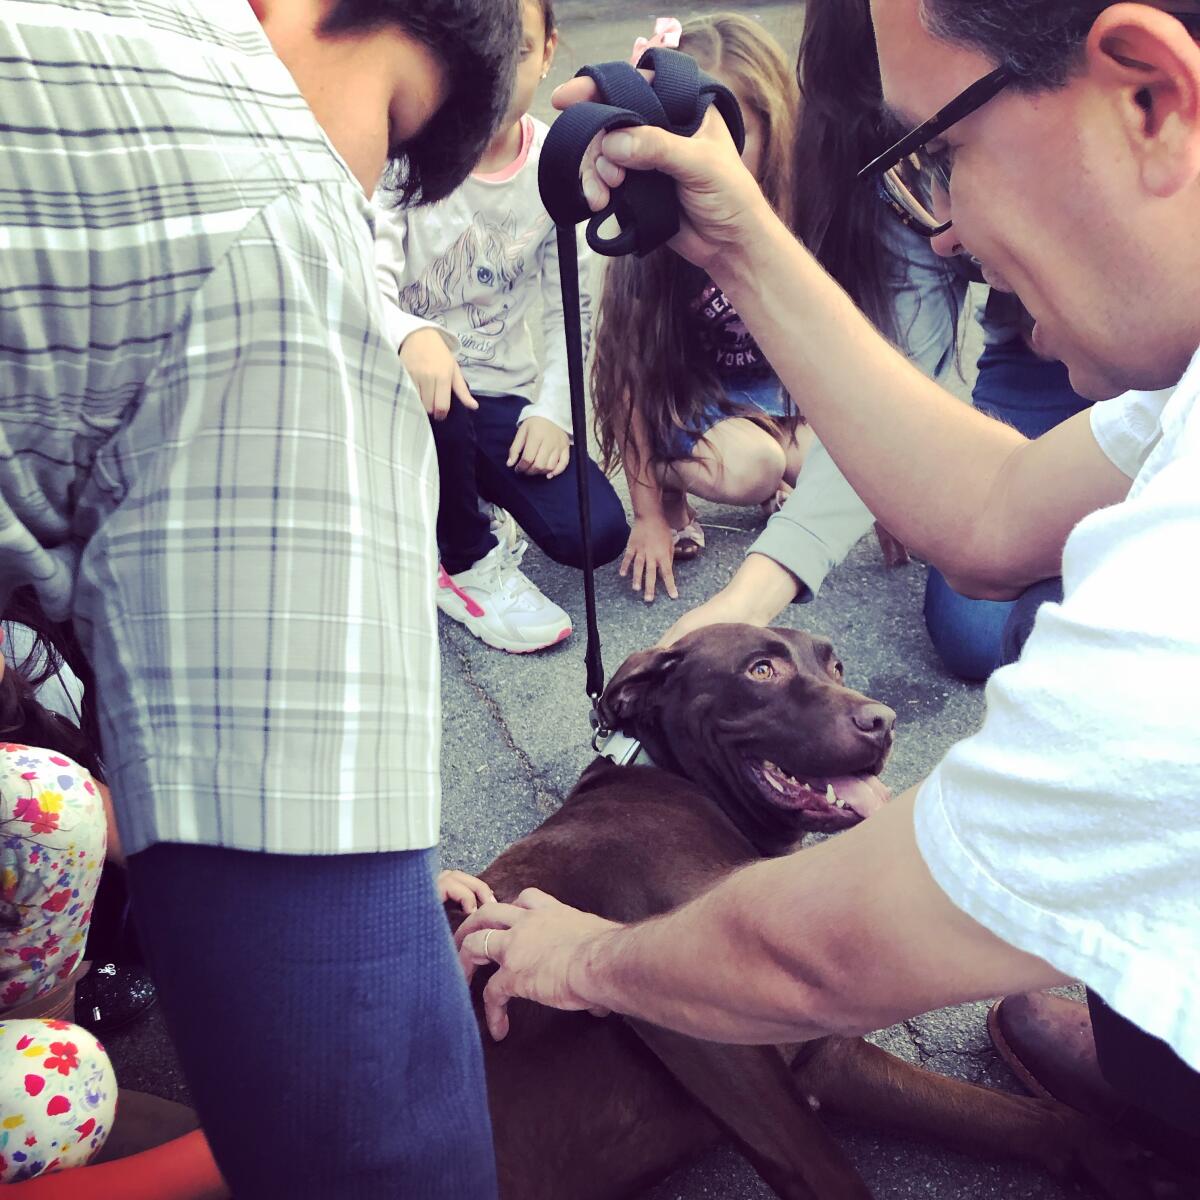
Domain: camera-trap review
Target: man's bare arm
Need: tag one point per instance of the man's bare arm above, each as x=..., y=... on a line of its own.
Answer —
x=846, y=937
x=989, y=507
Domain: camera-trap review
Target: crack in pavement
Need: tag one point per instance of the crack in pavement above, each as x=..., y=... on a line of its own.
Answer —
x=546, y=797
x=980, y=1058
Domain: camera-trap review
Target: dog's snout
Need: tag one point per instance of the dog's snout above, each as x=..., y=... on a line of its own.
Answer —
x=875, y=719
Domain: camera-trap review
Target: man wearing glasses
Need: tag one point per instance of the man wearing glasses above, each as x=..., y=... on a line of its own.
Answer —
x=1063, y=840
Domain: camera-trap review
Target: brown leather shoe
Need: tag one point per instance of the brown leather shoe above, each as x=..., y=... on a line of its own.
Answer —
x=1046, y=1041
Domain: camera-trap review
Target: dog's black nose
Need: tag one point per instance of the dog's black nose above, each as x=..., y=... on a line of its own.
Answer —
x=873, y=718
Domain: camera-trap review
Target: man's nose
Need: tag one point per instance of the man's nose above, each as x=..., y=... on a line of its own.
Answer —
x=947, y=244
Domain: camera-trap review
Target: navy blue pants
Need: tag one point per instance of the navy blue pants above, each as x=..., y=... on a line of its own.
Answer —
x=1142, y=1068
x=1032, y=395
x=472, y=450
x=322, y=1021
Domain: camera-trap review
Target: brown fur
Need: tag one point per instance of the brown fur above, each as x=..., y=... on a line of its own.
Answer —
x=589, y=1109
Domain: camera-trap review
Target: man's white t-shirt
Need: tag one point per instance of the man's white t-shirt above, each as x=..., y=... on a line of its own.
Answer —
x=1069, y=824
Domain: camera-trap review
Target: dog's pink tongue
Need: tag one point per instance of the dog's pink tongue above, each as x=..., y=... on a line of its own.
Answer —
x=863, y=793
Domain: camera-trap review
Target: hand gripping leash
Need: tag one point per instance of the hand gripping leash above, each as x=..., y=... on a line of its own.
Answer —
x=646, y=209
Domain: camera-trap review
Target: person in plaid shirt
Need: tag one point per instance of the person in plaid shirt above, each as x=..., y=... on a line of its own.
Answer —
x=212, y=467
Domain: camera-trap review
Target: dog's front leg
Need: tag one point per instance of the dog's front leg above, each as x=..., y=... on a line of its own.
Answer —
x=751, y=1094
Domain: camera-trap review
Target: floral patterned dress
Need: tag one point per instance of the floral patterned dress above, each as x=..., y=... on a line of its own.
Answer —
x=58, y=1098
x=57, y=1090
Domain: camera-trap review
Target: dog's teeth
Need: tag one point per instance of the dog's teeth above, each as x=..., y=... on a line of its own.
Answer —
x=775, y=783
x=832, y=797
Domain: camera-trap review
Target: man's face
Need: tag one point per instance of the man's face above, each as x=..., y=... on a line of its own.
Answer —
x=1048, y=197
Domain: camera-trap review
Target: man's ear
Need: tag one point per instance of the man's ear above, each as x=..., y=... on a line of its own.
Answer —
x=1152, y=63
x=629, y=690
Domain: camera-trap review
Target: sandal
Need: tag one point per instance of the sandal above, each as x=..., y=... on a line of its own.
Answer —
x=688, y=542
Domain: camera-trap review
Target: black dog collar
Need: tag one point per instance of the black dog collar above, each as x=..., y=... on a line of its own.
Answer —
x=645, y=205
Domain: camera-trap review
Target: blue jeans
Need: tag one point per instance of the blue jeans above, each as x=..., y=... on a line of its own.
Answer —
x=322, y=1021
x=1033, y=396
x=766, y=396
x=472, y=449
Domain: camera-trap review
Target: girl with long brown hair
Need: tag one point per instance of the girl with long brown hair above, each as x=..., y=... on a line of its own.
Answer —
x=684, y=399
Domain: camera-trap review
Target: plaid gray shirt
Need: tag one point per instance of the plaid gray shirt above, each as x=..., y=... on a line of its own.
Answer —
x=208, y=458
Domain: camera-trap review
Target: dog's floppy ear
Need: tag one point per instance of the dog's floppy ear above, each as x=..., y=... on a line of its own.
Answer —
x=625, y=696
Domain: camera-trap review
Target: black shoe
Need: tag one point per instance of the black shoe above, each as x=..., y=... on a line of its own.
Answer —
x=112, y=995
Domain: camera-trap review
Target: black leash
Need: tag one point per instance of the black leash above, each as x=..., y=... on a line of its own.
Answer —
x=646, y=208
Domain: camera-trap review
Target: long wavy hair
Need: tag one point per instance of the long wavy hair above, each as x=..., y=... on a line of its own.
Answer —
x=843, y=125
x=23, y=719
x=645, y=352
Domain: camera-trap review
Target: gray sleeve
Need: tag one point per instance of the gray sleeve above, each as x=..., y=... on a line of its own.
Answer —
x=824, y=518
x=818, y=526
x=927, y=304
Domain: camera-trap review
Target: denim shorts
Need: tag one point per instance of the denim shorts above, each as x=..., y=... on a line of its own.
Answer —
x=767, y=396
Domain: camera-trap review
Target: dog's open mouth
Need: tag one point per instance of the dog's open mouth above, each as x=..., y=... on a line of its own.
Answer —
x=834, y=801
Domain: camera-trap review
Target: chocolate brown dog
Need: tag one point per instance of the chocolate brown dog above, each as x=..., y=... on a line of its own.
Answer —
x=756, y=740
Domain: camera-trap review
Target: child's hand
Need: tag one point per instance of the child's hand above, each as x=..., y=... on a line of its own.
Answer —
x=427, y=358
x=651, y=553
x=465, y=890
x=540, y=448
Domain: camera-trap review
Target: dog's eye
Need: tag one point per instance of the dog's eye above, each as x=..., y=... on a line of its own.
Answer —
x=763, y=669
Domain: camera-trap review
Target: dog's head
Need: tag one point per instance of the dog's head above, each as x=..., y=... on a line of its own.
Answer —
x=761, y=720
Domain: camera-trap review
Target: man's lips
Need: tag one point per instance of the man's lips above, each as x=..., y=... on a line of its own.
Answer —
x=837, y=796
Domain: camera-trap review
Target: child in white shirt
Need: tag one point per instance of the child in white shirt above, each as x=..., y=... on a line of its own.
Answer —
x=460, y=278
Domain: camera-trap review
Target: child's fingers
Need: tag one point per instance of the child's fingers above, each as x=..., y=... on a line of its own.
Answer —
x=626, y=560
x=460, y=895
x=651, y=578
x=464, y=890
x=639, y=565
x=518, y=444
x=458, y=385
x=529, y=447
x=564, y=458
x=441, y=398
x=529, y=457
x=427, y=393
x=668, y=579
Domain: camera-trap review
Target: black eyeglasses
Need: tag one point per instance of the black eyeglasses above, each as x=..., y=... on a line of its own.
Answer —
x=914, y=179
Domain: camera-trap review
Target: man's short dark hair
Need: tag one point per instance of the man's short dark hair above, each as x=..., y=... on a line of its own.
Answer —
x=1041, y=40
x=477, y=43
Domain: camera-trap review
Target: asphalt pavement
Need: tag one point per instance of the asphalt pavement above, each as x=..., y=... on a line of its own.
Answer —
x=515, y=739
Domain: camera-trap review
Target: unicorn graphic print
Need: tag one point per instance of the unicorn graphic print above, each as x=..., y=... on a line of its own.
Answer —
x=476, y=275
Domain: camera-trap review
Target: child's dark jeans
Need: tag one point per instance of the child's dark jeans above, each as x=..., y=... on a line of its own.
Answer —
x=472, y=450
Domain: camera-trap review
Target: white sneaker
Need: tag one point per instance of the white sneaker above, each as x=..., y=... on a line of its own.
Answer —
x=499, y=605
